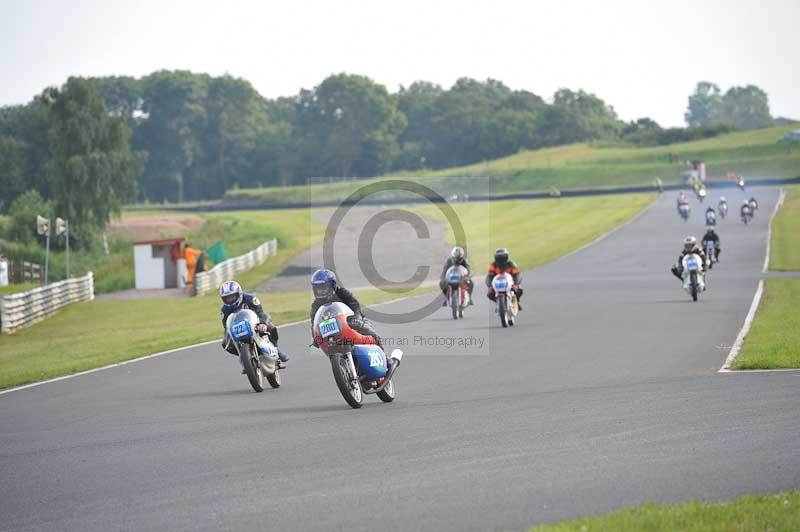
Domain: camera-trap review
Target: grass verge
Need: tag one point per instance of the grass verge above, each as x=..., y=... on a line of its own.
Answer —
x=774, y=338
x=17, y=287
x=785, y=246
x=754, y=153
x=537, y=232
x=777, y=512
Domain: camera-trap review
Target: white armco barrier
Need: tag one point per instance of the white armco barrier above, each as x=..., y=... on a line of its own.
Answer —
x=206, y=281
x=26, y=308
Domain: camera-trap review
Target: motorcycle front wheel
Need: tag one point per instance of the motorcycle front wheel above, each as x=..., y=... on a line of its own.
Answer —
x=348, y=384
x=249, y=358
x=502, y=309
x=454, y=303
x=694, y=286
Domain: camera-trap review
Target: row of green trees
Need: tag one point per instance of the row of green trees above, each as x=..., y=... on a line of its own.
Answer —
x=176, y=135
x=739, y=107
x=65, y=155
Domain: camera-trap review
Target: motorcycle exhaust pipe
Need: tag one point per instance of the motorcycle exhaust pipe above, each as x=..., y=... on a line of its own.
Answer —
x=396, y=356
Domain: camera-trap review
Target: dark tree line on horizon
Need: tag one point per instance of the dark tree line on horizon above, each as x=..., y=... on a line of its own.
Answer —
x=177, y=135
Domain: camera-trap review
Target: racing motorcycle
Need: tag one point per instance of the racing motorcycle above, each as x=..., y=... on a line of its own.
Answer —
x=701, y=194
x=753, y=205
x=506, y=306
x=723, y=210
x=711, y=257
x=457, y=290
x=711, y=218
x=747, y=214
x=693, y=278
x=259, y=358
x=359, y=366
x=684, y=211
x=741, y=184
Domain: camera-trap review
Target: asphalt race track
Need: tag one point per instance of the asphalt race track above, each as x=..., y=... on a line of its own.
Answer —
x=605, y=394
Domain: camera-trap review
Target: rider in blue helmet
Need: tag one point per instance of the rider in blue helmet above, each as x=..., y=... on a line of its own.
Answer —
x=327, y=290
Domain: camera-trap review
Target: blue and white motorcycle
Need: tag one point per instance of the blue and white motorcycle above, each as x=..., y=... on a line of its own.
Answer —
x=506, y=298
x=359, y=366
x=693, y=277
x=259, y=358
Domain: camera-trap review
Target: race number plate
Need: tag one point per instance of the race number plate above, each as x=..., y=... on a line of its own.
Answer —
x=501, y=285
x=329, y=327
x=240, y=329
x=454, y=278
x=691, y=264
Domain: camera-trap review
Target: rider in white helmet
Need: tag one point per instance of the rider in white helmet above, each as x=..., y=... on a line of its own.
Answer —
x=458, y=257
x=235, y=299
x=689, y=246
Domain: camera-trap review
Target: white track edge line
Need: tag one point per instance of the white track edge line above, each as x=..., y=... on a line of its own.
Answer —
x=743, y=371
x=737, y=345
x=769, y=229
x=117, y=364
x=748, y=320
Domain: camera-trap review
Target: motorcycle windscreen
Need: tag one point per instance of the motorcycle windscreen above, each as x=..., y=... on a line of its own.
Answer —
x=240, y=327
x=371, y=361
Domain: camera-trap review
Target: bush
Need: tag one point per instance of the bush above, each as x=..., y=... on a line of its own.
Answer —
x=656, y=136
x=22, y=216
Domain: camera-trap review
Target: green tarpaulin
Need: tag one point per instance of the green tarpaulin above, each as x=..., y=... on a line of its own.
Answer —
x=217, y=253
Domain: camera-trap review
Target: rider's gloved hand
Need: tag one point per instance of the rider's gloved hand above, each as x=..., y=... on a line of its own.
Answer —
x=262, y=329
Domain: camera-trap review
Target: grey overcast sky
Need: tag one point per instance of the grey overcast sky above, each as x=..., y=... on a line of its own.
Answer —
x=642, y=57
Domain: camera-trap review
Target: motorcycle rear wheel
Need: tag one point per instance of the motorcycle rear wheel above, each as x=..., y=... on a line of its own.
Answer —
x=387, y=394
x=274, y=380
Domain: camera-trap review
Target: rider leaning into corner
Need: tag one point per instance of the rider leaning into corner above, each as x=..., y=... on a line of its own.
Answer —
x=689, y=247
x=235, y=299
x=712, y=236
x=326, y=290
x=502, y=264
x=457, y=258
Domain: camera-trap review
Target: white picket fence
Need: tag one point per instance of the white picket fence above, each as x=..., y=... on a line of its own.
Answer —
x=206, y=281
x=26, y=308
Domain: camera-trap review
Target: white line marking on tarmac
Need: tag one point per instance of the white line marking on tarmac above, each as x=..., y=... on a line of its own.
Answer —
x=769, y=229
x=737, y=345
x=123, y=363
x=748, y=320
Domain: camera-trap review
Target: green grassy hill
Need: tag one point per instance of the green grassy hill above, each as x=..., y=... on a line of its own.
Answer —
x=753, y=154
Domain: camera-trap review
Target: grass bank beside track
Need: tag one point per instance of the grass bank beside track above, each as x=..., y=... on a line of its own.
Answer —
x=17, y=287
x=777, y=512
x=537, y=232
x=753, y=153
x=93, y=334
x=774, y=338
x=785, y=246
